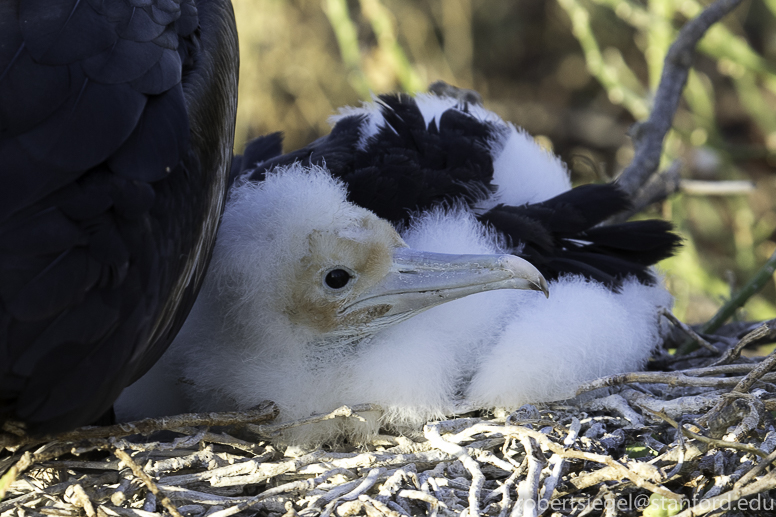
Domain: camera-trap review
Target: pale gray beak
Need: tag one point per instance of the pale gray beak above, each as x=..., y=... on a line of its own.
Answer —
x=420, y=280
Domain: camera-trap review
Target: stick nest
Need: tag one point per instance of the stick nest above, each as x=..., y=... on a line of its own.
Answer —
x=697, y=436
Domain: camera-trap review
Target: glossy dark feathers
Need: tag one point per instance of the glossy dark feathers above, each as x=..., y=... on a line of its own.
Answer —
x=561, y=236
x=112, y=188
x=408, y=166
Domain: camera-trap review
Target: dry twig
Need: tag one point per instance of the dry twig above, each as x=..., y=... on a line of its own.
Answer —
x=648, y=135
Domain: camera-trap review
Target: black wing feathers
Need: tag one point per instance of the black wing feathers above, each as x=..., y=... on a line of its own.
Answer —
x=259, y=150
x=560, y=235
x=406, y=166
x=164, y=121
x=106, y=210
x=61, y=32
x=337, y=151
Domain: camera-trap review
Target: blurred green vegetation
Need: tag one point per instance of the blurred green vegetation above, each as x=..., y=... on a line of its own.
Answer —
x=575, y=73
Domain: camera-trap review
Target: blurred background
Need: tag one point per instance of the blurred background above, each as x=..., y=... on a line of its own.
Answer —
x=576, y=74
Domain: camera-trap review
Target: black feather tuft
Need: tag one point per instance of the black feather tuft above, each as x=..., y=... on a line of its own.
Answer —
x=561, y=235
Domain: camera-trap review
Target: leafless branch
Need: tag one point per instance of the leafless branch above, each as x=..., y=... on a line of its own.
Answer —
x=648, y=135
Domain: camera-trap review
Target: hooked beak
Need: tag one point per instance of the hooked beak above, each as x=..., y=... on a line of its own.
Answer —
x=419, y=280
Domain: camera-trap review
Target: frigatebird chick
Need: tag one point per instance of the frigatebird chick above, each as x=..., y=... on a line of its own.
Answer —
x=313, y=302
x=301, y=285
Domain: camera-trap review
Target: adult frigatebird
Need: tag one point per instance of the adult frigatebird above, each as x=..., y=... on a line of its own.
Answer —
x=116, y=131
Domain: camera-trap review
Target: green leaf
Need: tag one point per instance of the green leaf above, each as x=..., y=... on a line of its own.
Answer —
x=639, y=450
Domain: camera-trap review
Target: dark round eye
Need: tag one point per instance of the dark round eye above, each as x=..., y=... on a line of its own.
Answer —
x=337, y=278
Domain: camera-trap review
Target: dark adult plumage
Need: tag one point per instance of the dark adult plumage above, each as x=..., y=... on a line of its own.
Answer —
x=116, y=130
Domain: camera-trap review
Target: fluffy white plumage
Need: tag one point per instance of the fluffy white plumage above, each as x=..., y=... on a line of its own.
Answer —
x=523, y=348
x=240, y=345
